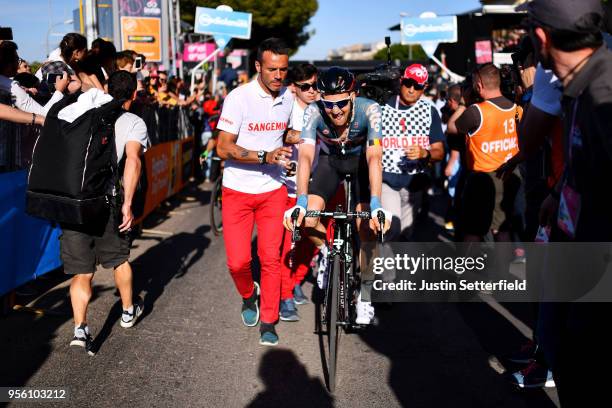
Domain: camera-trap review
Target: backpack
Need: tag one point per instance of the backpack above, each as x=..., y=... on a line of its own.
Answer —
x=74, y=165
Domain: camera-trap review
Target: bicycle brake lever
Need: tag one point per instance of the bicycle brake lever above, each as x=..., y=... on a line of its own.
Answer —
x=381, y=222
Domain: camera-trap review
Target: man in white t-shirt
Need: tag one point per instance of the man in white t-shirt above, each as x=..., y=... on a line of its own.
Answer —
x=252, y=128
x=82, y=247
x=303, y=83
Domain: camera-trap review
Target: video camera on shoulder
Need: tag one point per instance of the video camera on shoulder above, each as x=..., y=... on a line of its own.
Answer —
x=383, y=83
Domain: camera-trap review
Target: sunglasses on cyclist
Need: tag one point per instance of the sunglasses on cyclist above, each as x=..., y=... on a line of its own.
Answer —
x=306, y=86
x=340, y=104
x=407, y=82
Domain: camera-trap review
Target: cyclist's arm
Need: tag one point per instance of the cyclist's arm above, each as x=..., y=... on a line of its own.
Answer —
x=306, y=154
x=305, y=158
x=374, y=159
x=374, y=149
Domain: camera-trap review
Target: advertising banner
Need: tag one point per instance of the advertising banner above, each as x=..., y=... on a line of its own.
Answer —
x=483, y=51
x=196, y=52
x=424, y=30
x=169, y=166
x=140, y=22
x=232, y=24
x=29, y=247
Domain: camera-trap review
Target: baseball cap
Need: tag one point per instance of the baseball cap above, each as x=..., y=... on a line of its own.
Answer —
x=570, y=15
x=417, y=72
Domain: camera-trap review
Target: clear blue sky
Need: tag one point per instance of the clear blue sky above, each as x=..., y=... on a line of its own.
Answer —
x=337, y=23
x=341, y=23
x=30, y=21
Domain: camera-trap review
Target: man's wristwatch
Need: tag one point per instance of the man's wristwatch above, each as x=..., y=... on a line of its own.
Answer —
x=427, y=158
x=261, y=156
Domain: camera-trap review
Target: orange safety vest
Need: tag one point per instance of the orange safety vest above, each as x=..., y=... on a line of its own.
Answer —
x=496, y=140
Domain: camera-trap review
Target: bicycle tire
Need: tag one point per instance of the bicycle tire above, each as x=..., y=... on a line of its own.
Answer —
x=216, y=221
x=333, y=330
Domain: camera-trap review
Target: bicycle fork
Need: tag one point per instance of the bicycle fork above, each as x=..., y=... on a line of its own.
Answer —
x=341, y=247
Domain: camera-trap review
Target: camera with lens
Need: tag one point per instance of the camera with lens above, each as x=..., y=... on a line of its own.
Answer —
x=381, y=84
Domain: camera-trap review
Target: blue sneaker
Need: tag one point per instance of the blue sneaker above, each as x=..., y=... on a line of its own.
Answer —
x=287, y=311
x=268, y=335
x=298, y=296
x=250, y=309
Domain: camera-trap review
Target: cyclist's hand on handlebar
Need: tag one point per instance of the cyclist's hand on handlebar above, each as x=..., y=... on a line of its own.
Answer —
x=375, y=224
x=288, y=217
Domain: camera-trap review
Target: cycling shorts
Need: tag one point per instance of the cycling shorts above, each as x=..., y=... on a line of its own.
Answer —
x=330, y=173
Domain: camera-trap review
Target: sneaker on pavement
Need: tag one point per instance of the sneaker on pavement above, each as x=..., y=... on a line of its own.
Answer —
x=524, y=355
x=82, y=338
x=298, y=296
x=533, y=376
x=287, y=311
x=128, y=319
x=250, y=308
x=365, y=311
x=268, y=335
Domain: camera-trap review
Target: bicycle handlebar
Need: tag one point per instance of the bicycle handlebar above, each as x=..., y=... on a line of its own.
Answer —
x=339, y=215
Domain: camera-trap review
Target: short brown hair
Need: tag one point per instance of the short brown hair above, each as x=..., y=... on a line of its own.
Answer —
x=123, y=58
x=489, y=75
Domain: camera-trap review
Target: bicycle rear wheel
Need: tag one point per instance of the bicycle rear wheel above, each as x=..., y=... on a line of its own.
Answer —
x=333, y=330
x=216, y=222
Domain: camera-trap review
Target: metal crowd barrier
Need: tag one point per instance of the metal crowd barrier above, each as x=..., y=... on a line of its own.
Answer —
x=29, y=247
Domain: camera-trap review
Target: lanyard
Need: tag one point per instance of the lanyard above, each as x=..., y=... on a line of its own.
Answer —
x=572, y=137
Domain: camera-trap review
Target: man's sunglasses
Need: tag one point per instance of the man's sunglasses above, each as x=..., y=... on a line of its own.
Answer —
x=306, y=86
x=340, y=104
x=407, y=82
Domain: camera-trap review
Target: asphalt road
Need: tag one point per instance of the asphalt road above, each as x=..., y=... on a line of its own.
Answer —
x=190, y=349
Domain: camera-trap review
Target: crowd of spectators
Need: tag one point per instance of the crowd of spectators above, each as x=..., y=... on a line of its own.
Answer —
x=166, y=103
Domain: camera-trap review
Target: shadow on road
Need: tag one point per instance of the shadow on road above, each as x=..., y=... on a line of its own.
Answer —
x=288, y=384
x=171, y=259
x=435, y=361
x=26, y=337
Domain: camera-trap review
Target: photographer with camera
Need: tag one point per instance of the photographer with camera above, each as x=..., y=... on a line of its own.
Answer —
x=9, y=63
x=412, y=139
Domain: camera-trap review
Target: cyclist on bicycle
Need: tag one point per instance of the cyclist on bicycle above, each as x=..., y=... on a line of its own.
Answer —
x=349, y=128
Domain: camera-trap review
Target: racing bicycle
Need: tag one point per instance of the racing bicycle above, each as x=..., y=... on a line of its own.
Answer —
x=338, y=309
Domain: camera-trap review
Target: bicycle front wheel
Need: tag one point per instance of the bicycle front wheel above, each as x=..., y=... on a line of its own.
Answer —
x=216, y=222
x=333, y=330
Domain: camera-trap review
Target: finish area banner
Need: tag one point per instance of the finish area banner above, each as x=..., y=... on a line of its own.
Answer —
x=167, y=167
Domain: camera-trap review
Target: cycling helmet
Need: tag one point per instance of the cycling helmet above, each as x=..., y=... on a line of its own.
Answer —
x=335, y=80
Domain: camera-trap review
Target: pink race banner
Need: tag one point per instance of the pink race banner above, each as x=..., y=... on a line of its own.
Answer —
x=196, y=52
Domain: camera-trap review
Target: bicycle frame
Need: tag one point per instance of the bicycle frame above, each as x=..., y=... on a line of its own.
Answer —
x=340, y=287
x=342, y=246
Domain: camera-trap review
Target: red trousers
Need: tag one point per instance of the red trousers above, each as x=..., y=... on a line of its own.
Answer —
x=305, y=250
x=241, y=211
